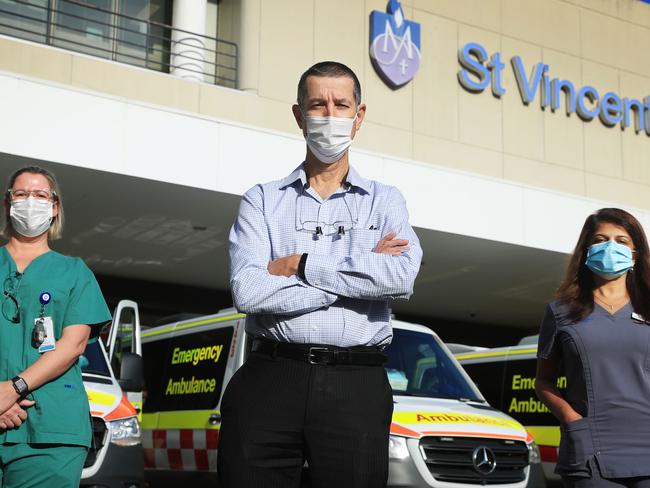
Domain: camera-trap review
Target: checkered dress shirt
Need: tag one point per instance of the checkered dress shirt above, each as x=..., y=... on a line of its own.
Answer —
x=344, y=299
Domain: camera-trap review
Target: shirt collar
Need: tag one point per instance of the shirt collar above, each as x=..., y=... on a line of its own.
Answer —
x=298, y=174
x=355, y=179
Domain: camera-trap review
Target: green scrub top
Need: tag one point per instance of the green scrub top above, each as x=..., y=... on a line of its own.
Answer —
x=61, y=414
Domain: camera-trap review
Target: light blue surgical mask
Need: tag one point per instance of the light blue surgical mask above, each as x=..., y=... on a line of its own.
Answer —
x=609, y=259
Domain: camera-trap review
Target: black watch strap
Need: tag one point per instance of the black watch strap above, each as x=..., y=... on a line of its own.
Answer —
x=20, y=385
x=301, y=266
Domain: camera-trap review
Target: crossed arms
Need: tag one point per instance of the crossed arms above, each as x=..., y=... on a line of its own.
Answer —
x=260, y=285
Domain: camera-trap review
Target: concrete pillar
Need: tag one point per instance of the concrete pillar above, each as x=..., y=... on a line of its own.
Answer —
x=188, y=47
x=249, y=44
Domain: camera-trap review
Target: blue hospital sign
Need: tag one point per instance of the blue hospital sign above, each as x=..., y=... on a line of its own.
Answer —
x=479, y=71
x=394, y=45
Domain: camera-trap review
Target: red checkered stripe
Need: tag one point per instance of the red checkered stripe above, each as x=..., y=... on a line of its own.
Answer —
x=184, y=449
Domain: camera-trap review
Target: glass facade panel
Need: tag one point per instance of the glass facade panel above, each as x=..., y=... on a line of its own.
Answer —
x=160, y=12
x=223, y=70
x=26, y=19
x=131, y=44
x=87, y=28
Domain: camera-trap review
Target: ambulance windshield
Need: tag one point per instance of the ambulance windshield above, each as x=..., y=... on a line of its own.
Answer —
x=93, y=361
x=418, y=366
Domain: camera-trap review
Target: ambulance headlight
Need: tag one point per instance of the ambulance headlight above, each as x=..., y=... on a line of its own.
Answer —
x=125, y=432
x=534, y=456
x=397, y=447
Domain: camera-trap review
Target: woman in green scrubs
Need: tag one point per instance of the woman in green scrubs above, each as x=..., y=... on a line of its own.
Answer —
x=51, y=306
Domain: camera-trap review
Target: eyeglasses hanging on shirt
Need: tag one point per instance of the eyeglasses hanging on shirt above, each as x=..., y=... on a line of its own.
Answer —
x=10, y=305
x=320, y=227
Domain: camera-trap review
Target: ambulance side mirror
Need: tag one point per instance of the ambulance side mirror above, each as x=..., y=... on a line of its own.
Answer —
x=131, y=372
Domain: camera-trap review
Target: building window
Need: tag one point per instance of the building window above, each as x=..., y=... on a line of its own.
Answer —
x=136, y=32
x=84, y=27
x=27, y=20
x=133, y=33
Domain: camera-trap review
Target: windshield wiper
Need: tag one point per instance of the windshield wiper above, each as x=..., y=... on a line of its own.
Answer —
x=466, y=400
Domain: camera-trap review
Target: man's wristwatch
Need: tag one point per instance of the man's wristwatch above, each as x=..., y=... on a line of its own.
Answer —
x=20, y=385
x=301, y=266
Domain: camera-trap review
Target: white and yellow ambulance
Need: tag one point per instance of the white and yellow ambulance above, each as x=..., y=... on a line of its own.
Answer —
x=443, y=433
x=116, y=458
x=506, y=376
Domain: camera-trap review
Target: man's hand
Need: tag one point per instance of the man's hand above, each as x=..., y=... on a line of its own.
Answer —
x=287, y=266
x=391, y=246
x=15, y=415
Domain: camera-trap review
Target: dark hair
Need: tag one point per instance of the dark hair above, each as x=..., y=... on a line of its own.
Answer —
x=577, y=288
x=56, y=227
x=331, y=69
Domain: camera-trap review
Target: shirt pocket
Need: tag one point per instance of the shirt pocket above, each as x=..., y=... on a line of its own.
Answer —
x=364, y=240
x=576, y=446
x=55, y=308
x=61, y=406
x=647, y=349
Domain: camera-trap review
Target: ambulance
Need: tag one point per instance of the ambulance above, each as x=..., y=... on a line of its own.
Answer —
x=443, y=432
x=111, y=370
x=506, y=376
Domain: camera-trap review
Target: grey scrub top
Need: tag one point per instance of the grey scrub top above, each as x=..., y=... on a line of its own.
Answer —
x=606, y=359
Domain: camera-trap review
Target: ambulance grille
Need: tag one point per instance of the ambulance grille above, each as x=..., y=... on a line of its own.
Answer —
x=450, y=459
x=99, y=434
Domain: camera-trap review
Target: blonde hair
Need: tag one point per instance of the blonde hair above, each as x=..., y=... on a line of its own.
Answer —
x=56, y=226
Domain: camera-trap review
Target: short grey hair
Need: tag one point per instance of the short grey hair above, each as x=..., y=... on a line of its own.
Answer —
x=332, y=69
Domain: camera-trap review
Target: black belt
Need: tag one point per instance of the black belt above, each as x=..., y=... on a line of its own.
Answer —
x=320, y=354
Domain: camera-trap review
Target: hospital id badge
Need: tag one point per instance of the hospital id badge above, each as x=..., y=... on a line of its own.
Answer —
x=44, y=328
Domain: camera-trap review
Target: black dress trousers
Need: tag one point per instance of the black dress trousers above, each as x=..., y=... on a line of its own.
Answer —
x=278, y=413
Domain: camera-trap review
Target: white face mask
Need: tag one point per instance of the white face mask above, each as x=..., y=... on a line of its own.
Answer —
x=328, y=137
x=31, y=217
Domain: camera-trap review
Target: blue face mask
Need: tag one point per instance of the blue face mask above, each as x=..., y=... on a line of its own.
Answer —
x=609, y=259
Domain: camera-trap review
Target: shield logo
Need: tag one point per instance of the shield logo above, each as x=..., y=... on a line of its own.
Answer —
x=394, y=45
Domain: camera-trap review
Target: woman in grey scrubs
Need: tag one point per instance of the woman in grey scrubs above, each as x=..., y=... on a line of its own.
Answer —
x=596, y=334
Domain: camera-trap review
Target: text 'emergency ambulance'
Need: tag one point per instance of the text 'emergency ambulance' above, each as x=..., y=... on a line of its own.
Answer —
x=196, y=355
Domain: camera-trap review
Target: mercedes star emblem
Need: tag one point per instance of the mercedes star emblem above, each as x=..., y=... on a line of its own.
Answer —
x=484, y=460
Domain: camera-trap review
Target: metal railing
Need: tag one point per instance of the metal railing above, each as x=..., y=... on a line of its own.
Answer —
x=82, y=27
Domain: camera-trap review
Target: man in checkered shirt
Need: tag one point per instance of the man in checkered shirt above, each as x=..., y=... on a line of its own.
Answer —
x=315, y=259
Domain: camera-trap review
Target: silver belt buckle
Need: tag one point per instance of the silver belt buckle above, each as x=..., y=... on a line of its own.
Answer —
x=310, y=355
